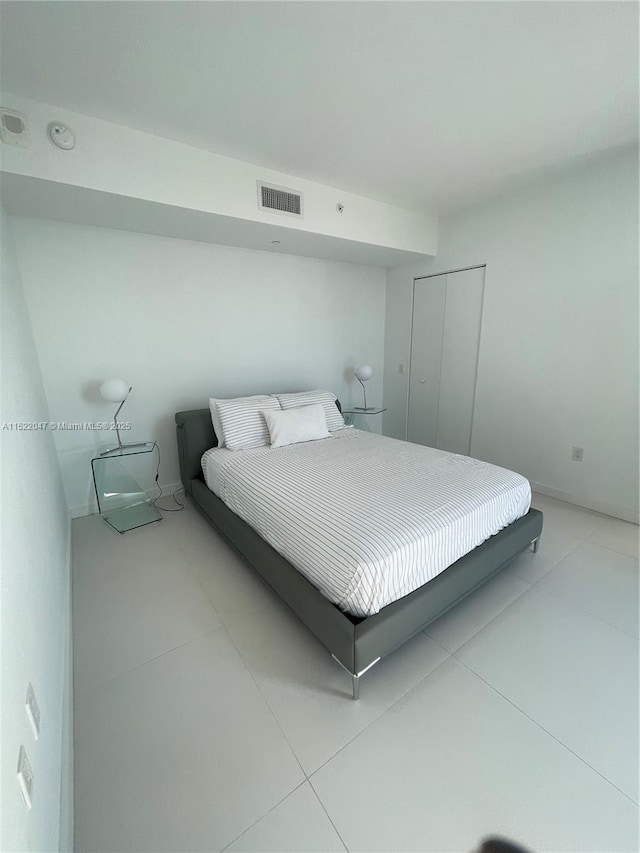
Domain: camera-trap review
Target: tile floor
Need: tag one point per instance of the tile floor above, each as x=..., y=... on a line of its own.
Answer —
x=208, y=718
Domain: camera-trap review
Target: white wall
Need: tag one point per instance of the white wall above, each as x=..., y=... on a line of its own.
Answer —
x=558, y=362
x=35, y=588
x=182, y=321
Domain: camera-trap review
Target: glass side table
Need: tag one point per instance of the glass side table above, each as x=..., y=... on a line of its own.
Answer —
x=358, y=410
x=122, y=502
x=353, y=413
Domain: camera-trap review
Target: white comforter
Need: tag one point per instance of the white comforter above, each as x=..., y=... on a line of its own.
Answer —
x=367, y=519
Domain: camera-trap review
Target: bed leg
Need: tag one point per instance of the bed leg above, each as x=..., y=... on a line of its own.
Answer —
x=355, y=677
x=355, y=684
x=533, y=547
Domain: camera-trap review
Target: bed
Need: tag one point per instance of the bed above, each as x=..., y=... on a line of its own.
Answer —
x=361, y=598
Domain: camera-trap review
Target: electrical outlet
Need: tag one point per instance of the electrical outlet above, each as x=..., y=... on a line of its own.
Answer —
x=25, y=777
x=401, y=368
x=577, y=454
x=33, y=711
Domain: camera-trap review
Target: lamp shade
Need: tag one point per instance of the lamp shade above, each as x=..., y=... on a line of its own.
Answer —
x=363, y=373
x=114, y=390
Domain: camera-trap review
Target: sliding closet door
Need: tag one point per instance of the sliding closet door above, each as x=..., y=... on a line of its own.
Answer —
x=458, y=370
x=447, y=313
x=426, y=353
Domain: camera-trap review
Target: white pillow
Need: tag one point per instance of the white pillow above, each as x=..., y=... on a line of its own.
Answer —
x=307, y=398
x=215, y=420
x=306, y=423
x=243, y=423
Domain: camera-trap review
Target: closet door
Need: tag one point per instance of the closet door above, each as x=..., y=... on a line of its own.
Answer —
x=459, y=365
x=447, y=312
x=426, y=353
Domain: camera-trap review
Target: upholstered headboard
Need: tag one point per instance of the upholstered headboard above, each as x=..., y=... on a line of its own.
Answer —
x=196, y=435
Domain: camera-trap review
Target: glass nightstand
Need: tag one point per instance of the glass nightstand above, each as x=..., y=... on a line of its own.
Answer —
x=355, y=410
x=122, y=502
x=362, y=418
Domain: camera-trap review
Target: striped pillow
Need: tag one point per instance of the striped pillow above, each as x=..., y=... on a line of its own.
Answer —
x=243, y=423
x=215, y=420
x=307, y=398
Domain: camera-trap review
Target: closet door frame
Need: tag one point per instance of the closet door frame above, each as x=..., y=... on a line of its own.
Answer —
x=475, y=381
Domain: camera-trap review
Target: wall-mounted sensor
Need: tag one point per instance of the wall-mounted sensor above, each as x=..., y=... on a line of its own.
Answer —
x=340, y=207
x=61, y=136
x=13, y=128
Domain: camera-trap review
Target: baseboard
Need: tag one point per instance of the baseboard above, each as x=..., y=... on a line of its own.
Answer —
x=65, y=842
x=82, y=510
x=92, y=508
x=613, y=510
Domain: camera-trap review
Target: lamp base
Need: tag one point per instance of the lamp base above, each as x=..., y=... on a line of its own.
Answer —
x=364, y=408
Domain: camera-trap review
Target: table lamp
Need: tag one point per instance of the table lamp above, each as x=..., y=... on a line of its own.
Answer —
x=363, y=374
x=117, y=391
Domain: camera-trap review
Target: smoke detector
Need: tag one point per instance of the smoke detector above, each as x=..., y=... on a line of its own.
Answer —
x=61, y=136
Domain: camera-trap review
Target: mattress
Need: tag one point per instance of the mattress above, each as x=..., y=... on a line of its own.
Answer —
x=367, y=519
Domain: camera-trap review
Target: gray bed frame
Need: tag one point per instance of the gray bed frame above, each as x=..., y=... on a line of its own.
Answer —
x=355, y=643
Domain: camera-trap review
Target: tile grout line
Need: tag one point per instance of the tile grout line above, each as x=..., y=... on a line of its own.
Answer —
x=84, y=691
x=233, y=613
x=539, y=592
x=530, y=585
x=544, y=592
x=542, y=728
x=554, y=565
x=559, y=525
x=272, y=712
x=475, y=634
x=566, y=600
x=553, y=521
x=493, y=619
x=448, y=653
x=581, y=610
x=268, y=812
x=440, y=646
x=370, y=723
x=389, y=707
x=609, y=548
x=324, y=808
x=574, y=507
x=386, y=711
x=373, y=720
x=222, y=626
x=295, y=755
x=589, y=541
x=195, y=578
x=266, y=702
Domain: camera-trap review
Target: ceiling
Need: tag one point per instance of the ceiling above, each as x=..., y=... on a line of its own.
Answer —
x=429, y=105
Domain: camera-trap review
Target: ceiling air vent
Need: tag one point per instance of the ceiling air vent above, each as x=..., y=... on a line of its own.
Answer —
x=279, y=199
